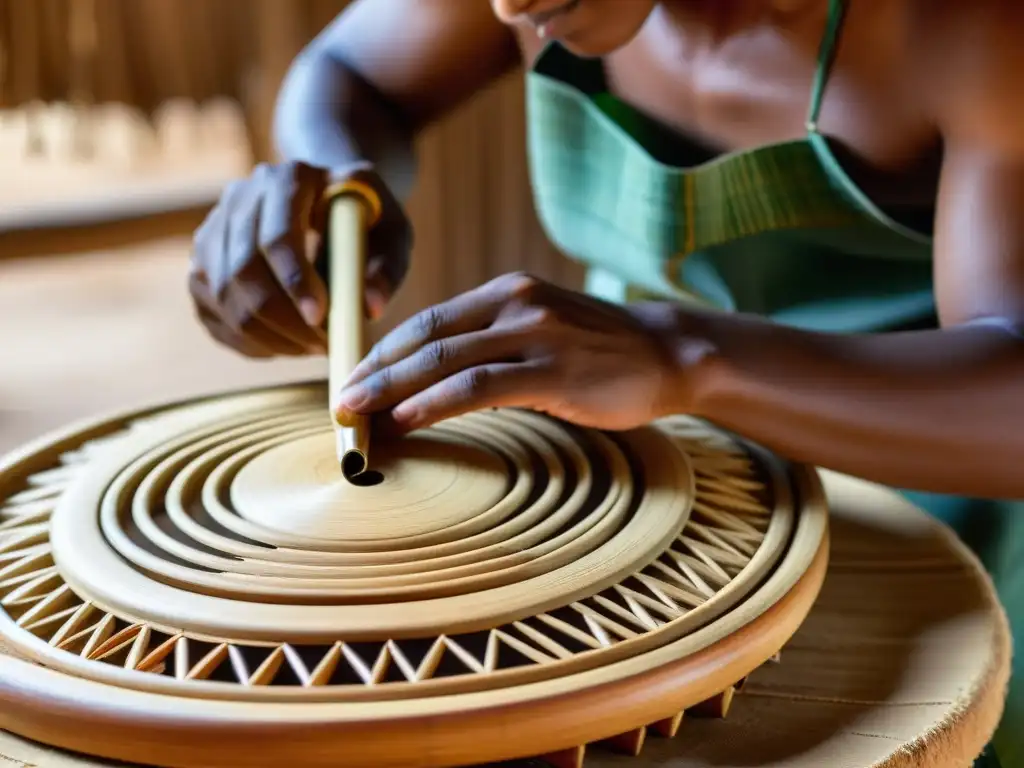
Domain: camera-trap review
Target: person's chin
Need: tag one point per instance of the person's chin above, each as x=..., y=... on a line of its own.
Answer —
x=591, y=46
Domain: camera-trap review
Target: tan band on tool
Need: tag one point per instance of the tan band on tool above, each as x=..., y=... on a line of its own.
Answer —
x=352, y=187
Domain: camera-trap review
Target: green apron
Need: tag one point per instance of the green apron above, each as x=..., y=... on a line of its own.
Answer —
x=780, y=230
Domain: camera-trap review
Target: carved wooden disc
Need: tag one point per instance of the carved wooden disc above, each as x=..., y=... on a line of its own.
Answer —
x=207, y=558
x=431, y=487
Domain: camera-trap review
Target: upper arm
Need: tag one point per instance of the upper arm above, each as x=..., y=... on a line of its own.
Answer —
x=979, y=237
x=424, y=56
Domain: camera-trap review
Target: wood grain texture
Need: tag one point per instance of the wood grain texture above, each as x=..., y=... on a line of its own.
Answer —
x=843, y=697
x=658, y=586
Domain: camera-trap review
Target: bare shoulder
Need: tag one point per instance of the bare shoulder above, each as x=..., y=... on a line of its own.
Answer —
x=426, y=55
x=969, y=59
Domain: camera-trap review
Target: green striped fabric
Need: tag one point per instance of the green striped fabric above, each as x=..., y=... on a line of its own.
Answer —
x=618, y=191
x=673, y=210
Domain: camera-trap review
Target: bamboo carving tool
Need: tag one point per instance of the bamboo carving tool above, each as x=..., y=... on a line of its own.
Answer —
x=353, y=208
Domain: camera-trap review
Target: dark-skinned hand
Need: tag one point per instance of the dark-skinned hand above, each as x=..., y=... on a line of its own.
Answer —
x=522, y=342
x=254, y=281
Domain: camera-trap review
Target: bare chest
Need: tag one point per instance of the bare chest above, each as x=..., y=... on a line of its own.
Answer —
x=753, y=86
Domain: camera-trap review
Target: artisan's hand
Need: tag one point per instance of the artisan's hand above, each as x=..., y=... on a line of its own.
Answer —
x=253, y=279
x=520, y=342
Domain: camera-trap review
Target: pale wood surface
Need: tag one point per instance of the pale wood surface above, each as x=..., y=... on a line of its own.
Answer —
x=715, y=547
x=901, y=663
x=83, y=334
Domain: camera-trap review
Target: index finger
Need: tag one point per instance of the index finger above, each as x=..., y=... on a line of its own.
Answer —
x=496, y=385
x=468, y=312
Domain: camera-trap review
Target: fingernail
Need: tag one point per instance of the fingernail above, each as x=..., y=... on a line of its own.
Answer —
x=404, y=413
x=310, y=310
x=352, y=400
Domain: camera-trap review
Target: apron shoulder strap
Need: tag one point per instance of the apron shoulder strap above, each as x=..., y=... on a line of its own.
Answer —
x=826, y=56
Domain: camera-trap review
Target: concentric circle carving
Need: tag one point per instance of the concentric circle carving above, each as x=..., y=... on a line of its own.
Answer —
x=212, y=551
x=511, y=515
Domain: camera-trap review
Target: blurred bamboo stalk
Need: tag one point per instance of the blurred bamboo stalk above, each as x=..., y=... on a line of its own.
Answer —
x=472, y=211
x=141, y=53
x=82, y=46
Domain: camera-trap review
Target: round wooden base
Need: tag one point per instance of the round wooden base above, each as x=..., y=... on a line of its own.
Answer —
x=508, y=586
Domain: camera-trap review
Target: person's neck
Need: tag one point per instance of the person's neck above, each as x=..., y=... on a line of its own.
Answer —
x=724, y=17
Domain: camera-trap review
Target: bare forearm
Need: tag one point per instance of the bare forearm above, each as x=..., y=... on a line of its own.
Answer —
x=941, y=411
x=329, y=117
x=382, y=71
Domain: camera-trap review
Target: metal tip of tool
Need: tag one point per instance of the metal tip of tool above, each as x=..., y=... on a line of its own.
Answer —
x=353, y=464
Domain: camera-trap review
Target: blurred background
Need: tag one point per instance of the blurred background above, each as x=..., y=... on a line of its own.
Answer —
x=120, y=122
